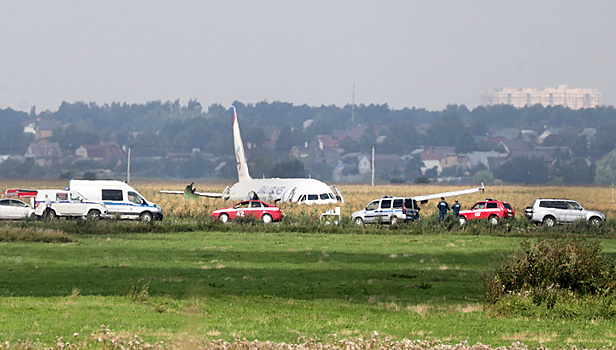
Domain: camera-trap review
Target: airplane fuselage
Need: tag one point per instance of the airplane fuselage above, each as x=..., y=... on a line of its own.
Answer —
x=308, y=191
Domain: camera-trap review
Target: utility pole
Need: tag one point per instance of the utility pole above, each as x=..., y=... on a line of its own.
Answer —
x=128, y=166
x=353, y=108
x=373, y=147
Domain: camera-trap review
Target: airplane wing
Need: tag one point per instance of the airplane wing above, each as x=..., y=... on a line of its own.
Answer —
x=426, y=198
x=190, y=192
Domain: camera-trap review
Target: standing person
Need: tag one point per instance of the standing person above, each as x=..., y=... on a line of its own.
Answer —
x=456, y=209
x=443, y=208
x=47, y=207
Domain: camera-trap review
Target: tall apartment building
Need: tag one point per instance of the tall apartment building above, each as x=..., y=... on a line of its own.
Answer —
x=561, y=96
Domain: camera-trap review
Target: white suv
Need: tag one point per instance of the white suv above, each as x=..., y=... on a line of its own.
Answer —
x=68, y=204
x=549, y=212
x=387, y=210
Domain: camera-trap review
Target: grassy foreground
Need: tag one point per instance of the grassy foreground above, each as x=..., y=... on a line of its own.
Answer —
x=268, y=286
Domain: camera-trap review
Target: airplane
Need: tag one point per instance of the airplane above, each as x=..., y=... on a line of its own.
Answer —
x=299, y=190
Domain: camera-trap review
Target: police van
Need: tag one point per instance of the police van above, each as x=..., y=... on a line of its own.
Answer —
x=387, y=210
x=122, y=201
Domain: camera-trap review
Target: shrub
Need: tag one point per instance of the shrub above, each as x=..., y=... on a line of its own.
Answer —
x=556, y=274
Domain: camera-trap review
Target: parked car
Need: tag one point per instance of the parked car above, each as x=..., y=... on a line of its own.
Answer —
x=253, y=208
x=550, y=212
x=14, y=209
x=387, y=210
x=490, y=209
x=66, y=203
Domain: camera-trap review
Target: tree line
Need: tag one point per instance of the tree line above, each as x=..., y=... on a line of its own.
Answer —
x=156, y=129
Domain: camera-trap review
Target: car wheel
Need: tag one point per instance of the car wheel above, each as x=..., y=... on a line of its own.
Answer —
x=94, y=215
x=359, y=221
x=595, y=221
x=462, y=220
x=50, y=215
x=393, y=220
x=146, y=216
x=549, y=221
x=224, y=218
x=267, y=218
x=493, y=219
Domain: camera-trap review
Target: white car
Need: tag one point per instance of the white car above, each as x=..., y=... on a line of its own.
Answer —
x=549, y=212
x=14, y=209
x=67, y=203
x=387, y=210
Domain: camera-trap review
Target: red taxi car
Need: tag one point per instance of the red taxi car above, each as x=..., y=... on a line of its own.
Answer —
x=490, y=209
x=253, y=208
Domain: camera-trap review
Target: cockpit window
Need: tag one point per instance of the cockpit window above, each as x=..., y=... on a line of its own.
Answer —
x=313, y=197
x=324, y=196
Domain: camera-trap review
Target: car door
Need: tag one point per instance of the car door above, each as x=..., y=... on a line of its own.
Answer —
x=19, y=209
x=62, y=205
x=372, y=211
x=255, y=210
x=477, y=210
x=6, y=211
x=561, y=211
x=240, y=210
x=491, y=209
x=574, y=212
x=386, y=210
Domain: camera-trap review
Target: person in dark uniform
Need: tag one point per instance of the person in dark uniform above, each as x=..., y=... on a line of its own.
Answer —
x=455, y=208
x=443, y=208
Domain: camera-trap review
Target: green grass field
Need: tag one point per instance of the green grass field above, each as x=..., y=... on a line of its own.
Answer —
x=269, y=286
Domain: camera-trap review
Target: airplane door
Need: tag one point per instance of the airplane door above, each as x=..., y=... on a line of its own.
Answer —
x=371, y=211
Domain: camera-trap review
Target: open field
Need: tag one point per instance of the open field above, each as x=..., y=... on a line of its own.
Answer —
x=255, y=282
x=268, y=286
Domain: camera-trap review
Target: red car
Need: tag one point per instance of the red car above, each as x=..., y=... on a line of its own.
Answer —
x=490, y=209
x=253, y=208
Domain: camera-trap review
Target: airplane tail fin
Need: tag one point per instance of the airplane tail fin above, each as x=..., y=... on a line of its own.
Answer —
x=242, y=165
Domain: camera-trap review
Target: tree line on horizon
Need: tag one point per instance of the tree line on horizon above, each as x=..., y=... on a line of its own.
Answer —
x=156, y=129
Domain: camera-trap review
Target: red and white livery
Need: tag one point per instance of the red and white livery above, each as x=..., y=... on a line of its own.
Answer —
x=252, y=208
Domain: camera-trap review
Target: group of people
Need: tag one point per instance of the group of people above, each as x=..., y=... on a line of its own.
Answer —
x=443, y=208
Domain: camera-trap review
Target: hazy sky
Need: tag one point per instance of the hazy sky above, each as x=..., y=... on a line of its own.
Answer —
x=424, y=54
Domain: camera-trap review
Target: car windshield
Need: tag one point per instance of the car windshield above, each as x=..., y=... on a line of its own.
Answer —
x=507, y=206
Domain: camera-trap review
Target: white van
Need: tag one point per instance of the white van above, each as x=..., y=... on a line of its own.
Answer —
x=66, y=203
x=121, y=199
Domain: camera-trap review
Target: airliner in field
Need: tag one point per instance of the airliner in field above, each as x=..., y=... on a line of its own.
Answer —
x=300, y=190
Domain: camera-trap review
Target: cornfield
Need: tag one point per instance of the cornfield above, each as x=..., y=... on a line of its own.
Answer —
x=356, y=196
